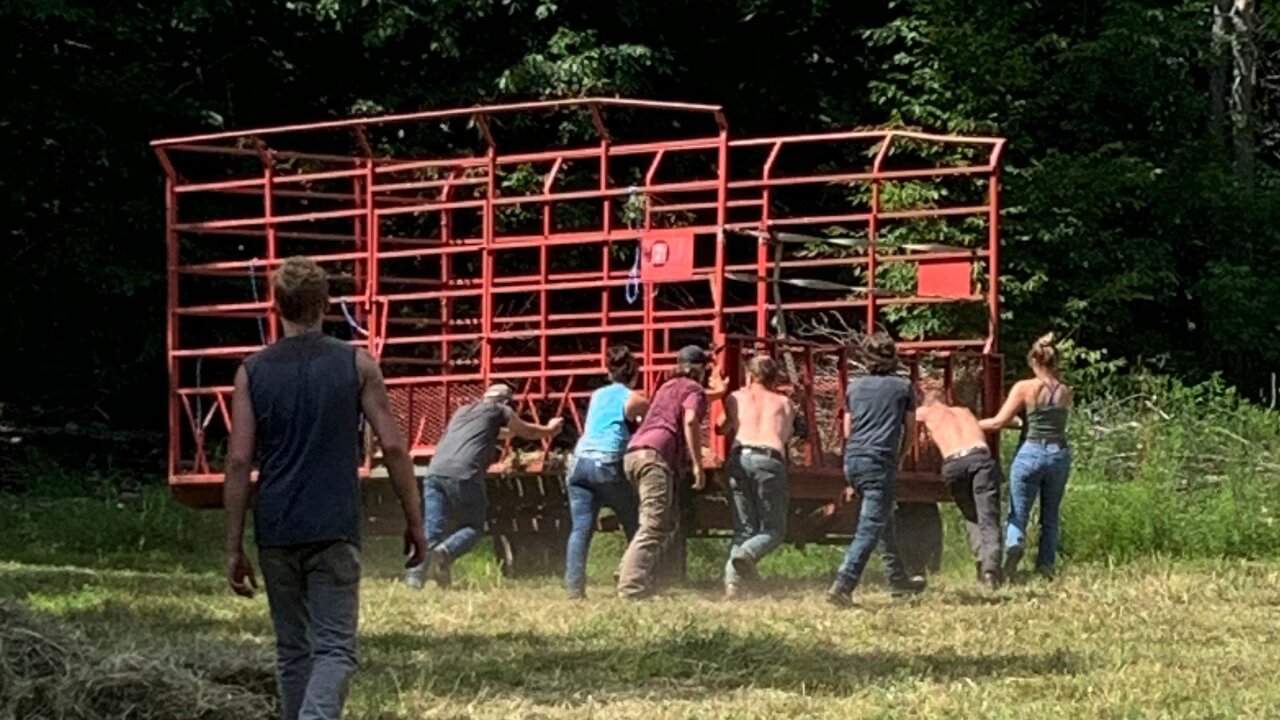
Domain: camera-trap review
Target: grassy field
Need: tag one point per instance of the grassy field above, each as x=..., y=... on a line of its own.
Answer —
x=1149, y=639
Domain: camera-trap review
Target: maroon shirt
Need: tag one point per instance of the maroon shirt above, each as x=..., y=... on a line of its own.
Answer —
x=663, y=426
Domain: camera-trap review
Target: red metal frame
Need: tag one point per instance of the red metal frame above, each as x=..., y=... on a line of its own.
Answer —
x=424, y=252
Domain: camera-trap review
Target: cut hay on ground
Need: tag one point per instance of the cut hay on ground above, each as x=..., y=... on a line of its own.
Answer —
x=51, y=673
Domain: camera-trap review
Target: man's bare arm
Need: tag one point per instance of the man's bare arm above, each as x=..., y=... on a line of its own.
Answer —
x=533, y=431
x=717, y=385
x=728, y=424
x=796, y=424
x=693, y=443
x=908, y=435
x=236, y=488
x=395, y=451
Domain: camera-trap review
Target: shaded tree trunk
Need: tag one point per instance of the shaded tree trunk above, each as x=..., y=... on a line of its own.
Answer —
x=1220, y=72
x=1244, y=65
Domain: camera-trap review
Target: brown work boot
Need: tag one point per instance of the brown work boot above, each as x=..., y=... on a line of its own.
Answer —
x=839, y=597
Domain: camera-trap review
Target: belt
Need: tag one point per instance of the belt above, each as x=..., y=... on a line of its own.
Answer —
x=761, y=450
x=1047, y=441
x=974, y=450
x=600, y=456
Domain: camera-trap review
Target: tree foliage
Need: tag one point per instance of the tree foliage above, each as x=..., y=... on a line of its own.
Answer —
x=1130, y=224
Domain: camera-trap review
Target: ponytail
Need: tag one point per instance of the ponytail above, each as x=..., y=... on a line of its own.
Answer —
x=1044, y=352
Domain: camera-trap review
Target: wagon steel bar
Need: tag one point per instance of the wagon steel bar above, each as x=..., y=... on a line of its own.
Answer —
x=453, y=294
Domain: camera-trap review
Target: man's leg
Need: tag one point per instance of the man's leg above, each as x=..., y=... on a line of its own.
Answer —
x=654, y=485
x=958, y=476
x=287, y=597
x=435, y=510
x=900, y=581
x=584, y=507
x=746, y=520
x=435, y=514
x=986, y=497
x=471, y=502
x=772, y=502
x=333, y=594
x=872, y=518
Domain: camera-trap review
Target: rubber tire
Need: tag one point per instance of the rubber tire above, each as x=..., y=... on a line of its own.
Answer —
x=920, y=537
x=529, y=555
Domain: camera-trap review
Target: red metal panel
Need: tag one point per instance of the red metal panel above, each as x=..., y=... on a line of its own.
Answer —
x=666, y=255
x=947, y=279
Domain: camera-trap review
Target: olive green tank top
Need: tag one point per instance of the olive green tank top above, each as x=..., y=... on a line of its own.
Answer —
x=1047, y=421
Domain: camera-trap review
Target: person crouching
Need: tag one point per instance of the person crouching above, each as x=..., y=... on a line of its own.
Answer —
x=761, y=420
x=971, y=474
x=667, y=441
x=454, y=491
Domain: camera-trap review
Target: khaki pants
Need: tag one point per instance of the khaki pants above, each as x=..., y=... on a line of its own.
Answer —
x=655, y=483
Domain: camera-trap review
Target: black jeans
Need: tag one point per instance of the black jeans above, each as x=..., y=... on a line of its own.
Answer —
x=974, y=482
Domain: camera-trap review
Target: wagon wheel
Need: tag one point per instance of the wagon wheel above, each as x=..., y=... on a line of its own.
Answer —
x=919, y=528
x=529, y=554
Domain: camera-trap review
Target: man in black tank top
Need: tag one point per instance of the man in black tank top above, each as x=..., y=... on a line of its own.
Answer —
x=298, y=403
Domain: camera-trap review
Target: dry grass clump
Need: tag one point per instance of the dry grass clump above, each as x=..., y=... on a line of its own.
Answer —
x=48, y=672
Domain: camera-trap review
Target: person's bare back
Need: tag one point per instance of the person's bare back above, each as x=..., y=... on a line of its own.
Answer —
x=952, y=428
x=764, y=418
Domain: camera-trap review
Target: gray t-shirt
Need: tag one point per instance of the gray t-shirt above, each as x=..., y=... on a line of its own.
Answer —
x=470, y=441
x=878, y=405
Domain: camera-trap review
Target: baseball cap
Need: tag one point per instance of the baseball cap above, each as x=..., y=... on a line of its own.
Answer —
x=498, y=391
x=692, y=355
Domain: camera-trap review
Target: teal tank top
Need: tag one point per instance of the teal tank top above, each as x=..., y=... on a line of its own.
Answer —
x=605, y=431
x=1048, y=420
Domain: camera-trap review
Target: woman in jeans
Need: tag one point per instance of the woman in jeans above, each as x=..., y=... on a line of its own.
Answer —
x=1043, y=462
x=595, y=476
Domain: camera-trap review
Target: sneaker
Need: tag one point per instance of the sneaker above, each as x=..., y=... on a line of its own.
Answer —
x=839, y=597
x=1011, y=558
x=732, y=591
x=577, y=594
x=910, y=585
x=415, y=577
x=1045, y=571
x=745, y=566
x=991, y=580
x=440, y=565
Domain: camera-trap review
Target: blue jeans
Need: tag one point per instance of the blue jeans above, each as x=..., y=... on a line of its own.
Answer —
x=758, y=488
x=314, y=595
x=457, y=504
x=1039, y=470
x=877, y=484
x=595, y=481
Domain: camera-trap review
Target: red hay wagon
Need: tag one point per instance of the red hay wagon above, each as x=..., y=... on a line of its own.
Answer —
x=517, y=242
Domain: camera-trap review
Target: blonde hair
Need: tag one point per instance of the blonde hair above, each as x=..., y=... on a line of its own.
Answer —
x=764, y=369
x=302, y=290
x=1044, y=352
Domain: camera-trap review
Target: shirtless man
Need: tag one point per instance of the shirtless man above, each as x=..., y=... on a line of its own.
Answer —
x=972, y=475
x=761, y=420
